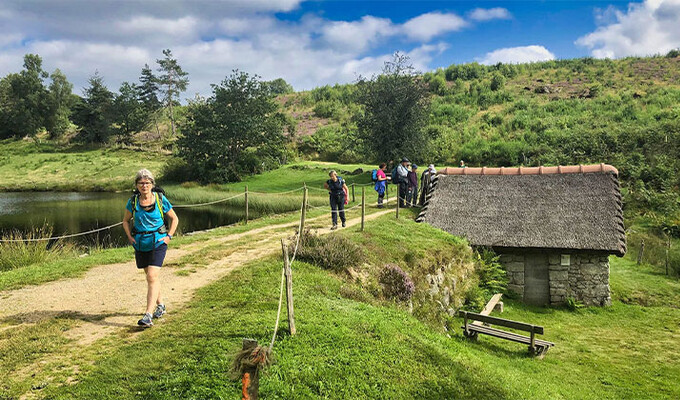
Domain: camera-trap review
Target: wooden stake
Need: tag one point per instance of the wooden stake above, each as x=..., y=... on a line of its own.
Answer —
x=641, y=252
x=668, y=249
x=246, y=204
x=354, y=200
x=363, y=207
x=304, y=210
x=289, y=288
x=397, y=205
x=250, y=378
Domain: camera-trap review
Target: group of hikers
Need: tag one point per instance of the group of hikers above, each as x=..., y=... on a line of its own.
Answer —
x=405, y=175
x=149, y=233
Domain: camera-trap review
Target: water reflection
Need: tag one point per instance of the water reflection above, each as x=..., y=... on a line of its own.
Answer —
x=79, y=212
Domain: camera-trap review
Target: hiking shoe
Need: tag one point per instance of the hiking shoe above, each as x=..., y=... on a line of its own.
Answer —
x=343, y=224
x=146, y=321
x=334, y=227
x=159, y=311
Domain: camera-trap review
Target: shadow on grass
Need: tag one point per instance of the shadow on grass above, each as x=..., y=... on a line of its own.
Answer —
x=39, y=316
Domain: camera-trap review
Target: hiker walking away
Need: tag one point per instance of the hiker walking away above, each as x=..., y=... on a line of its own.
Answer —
x=412, y=196
x=426, y=182
x=145, y=228
x=381, y=183
x=401, y=175
x=336, y=190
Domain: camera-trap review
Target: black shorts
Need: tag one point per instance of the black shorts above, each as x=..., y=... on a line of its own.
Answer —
x=154, y=257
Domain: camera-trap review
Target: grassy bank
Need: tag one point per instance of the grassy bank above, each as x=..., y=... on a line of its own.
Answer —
x=346, y=348
x=28, y=165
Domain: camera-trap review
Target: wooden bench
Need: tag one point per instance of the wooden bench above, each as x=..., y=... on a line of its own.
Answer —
x=537, y=347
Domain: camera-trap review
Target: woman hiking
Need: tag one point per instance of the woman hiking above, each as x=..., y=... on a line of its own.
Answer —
x=381, y=183
x=149, y=236
x=336, y=190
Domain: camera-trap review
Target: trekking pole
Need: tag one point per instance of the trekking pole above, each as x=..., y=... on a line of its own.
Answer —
x=246, y=205
x=354, y=200
x=363, y=208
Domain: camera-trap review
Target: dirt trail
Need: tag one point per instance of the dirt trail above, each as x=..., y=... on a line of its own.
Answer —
x=112, y=297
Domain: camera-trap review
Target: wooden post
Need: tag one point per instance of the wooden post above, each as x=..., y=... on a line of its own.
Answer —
x=363, y=207
x=304, y=185
x=641, y=252
x=354, y=200
x=304, y=211
x=289, y=288
x=387, y=191
x=532, y=347
x=246, y=204
x=668, y=249
x=250, y=378
x=397, y=205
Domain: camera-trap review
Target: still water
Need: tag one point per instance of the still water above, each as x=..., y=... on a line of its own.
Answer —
x=75, y=212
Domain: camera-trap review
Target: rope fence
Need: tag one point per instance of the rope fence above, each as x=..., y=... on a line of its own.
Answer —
x=204, y=205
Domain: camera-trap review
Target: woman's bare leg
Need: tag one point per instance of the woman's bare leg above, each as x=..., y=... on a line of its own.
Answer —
x=153, y=293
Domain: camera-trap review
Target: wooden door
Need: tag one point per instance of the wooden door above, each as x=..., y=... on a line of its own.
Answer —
x=536, y=282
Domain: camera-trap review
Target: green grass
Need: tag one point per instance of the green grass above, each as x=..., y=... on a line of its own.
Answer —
x=350, y=349
x=26, y=165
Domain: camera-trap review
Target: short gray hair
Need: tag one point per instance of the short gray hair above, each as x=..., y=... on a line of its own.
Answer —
x=144, y=174
x=331, y=172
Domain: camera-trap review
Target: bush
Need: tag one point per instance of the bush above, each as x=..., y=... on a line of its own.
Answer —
x=333, y=252
x=20, y=254
x=327, y=109
x=397, y=284
x=492, y=276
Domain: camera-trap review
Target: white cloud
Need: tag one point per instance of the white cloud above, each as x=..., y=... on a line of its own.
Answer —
x=357, y=35
x=647, y=28
x=118, y=38
x=426, y=26
x=487, y=14
x=514, y=55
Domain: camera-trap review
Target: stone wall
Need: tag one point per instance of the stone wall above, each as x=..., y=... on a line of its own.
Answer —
x=586, y=279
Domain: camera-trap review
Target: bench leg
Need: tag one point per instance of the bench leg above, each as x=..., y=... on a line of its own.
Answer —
x=470, y=335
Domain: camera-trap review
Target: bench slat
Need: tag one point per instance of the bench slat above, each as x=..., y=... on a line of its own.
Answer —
x=502, y=322
x=508, y=335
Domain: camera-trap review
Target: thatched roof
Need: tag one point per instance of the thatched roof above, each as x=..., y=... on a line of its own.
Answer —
x=560, y=210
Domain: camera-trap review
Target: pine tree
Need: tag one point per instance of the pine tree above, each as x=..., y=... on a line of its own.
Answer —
x=173, y=81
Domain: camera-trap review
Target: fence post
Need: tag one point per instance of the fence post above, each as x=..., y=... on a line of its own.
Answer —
x=304, y=185
x=246, y=204
x=304, y=210
x=668, y=249
x=397, y=205
x=250, y=378
x=363, y=206
x=640, y=252
x=354, y=200
x=289, y=288
x=387, y=191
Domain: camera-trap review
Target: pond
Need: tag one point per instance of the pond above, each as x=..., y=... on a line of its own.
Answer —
x=74, y=212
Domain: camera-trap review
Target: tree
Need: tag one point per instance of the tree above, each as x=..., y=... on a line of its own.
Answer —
x=94, y=114
x=278, y=87
x=396, y=105
x=237, y=130
x=59, y=102
x=129, y=112
x=173, y=81
x=24, y=99
x=148, y=94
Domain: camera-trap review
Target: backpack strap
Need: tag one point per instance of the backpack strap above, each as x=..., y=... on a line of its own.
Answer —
x=159, y=204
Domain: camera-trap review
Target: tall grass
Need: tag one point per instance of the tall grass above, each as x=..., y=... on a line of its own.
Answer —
x=22, y=250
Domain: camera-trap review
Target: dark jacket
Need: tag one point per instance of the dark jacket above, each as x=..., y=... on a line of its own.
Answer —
x=412, y=179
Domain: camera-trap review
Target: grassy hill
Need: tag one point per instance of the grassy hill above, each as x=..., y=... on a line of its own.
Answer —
x=349, y=347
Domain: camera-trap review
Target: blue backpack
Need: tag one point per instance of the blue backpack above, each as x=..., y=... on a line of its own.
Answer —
x=374, y=175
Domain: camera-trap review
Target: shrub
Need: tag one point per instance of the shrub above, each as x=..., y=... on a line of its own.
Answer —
x=396, y=283
x=333, y=252
x=492, y=276
x=20, y=254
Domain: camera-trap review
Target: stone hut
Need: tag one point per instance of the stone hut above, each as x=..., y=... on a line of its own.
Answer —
x=553, y=227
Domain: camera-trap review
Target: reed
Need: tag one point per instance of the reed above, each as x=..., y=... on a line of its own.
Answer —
x=20, y=249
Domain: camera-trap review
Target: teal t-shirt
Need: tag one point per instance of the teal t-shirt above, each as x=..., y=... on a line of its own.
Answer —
x=149, y=221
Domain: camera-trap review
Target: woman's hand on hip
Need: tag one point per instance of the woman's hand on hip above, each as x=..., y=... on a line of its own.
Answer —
x=166, y=239
x=132, y=240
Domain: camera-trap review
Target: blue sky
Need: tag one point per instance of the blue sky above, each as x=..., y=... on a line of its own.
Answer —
x=312, y=43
